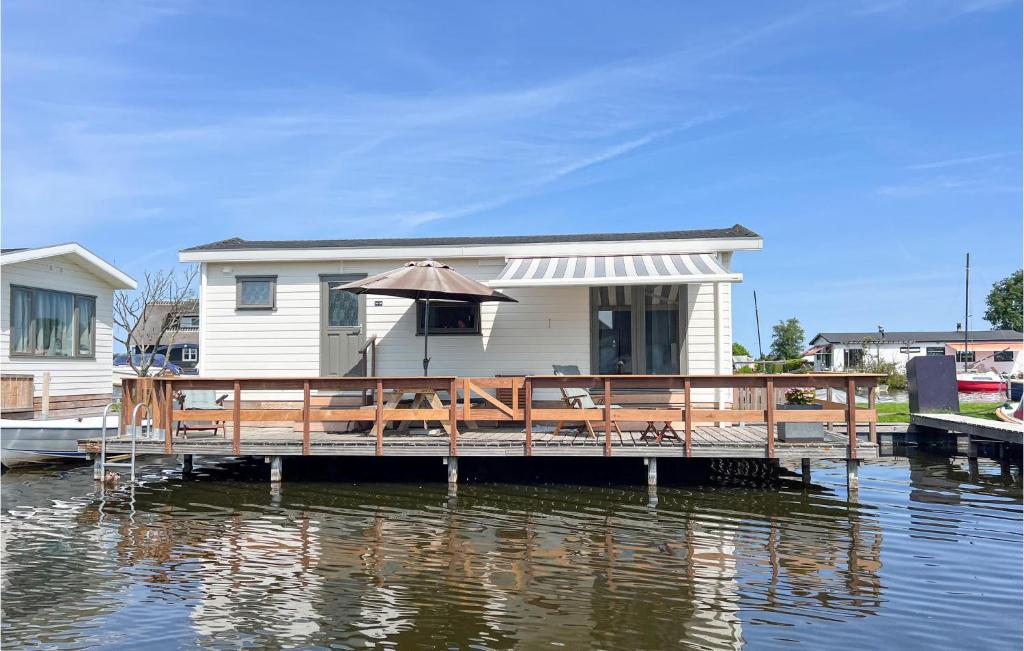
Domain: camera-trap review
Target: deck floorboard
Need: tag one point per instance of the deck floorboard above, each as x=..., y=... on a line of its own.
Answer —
x=707, y=441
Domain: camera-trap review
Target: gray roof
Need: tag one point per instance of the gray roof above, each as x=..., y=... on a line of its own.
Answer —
x=237, y=243
x=13, y=250
x=939, y=336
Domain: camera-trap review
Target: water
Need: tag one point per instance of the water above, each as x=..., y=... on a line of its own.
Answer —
x=928, y=556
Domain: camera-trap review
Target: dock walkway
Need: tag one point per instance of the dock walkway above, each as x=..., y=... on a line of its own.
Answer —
x=993, y=430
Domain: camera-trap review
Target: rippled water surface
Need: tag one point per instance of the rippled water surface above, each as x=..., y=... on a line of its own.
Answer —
x=929, y=556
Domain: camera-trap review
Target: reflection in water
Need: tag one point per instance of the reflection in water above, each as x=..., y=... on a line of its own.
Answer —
x=219, y=562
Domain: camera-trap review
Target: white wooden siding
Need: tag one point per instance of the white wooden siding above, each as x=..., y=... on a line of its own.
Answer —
x=548, y=326
x=708, y=342
x=68, y=376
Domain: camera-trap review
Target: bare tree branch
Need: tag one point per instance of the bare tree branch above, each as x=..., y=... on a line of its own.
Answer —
x=134, y=317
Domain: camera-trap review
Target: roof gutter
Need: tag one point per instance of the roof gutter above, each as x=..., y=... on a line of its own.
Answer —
x=629, y=247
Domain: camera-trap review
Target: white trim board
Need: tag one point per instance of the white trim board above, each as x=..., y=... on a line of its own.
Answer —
x=86, y=258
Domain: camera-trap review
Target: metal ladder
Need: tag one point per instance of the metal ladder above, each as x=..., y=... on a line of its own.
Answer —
x=134, y=428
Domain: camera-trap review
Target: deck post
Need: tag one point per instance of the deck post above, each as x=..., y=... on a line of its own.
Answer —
x=828, y=399
x=607, y=417
x=872, y=427
x=168, y=409
x=236, y=420
x=528, y=415
x=851, y=416
x=652, y=470
x=852, y=481
x=453, y=417
x=769, y=417
x=972, y=448
x=275, y=469
x=97, y=467
x=305, y=417
x=687, y=417
x=805, y=471
x=378, y=397
x=186, y=464
x=972, y=458
x=453, y=470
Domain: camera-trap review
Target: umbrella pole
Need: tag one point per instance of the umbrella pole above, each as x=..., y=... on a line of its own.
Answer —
x=426, y=334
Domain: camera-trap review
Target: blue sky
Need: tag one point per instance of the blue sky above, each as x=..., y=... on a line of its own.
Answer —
x=871, y=144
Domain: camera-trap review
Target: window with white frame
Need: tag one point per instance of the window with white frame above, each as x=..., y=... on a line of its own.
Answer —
x=935, y=350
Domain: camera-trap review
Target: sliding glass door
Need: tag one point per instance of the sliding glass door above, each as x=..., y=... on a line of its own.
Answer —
x=636, y=329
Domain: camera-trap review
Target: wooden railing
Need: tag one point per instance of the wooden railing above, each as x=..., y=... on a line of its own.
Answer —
x=669, y=399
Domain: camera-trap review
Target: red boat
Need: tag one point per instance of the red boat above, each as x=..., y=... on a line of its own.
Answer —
x=985, y=381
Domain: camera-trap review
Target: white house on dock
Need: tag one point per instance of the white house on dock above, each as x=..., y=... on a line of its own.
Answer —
x=56, y=330
x=989, y=349
x=641, y=303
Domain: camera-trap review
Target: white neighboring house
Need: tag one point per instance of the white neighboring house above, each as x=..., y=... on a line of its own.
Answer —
x=995, y=349
x=56, y=319
x=657, y=303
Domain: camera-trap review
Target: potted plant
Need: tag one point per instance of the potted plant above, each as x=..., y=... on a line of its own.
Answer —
x=800, y=399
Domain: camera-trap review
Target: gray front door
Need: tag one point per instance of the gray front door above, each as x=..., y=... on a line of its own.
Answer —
x=341, y=327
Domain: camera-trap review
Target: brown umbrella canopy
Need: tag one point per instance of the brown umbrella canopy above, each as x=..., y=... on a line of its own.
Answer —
x=426, y=280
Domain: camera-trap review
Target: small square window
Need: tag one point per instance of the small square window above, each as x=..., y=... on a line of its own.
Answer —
x=967, y=357
x=255, y=292
x=448, y=318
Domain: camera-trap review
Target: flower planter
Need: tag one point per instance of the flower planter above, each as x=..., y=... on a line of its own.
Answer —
x=800, y=432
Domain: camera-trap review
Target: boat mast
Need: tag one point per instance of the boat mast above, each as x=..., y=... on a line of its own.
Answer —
x=757, y=320
x=967, y=306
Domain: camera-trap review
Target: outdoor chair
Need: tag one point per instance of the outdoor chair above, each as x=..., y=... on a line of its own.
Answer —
x=578, y=398
x=205, y=399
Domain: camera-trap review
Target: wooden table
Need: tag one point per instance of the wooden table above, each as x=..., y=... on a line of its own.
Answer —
x=420, y=396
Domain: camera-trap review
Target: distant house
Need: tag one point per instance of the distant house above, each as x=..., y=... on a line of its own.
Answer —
x=181, y=332
x=56, y=330
x=995, y=349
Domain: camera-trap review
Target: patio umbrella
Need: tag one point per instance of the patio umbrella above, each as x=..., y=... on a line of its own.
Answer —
x=426, y=280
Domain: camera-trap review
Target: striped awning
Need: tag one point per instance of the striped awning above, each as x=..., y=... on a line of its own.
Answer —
x=594, y=271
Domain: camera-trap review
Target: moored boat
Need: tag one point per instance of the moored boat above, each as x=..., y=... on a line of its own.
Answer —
x=982, y=381
x=40, y=441
x=974, y=382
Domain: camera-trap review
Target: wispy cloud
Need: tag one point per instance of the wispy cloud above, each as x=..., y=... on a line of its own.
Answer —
x=953, y=162
x=943, y=184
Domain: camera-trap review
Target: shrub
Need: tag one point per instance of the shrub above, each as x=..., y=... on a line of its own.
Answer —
x=800, y=396
x=895, y=374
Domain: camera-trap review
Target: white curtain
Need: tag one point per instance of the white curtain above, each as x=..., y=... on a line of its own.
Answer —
x=21, y=320
x=54, y=324
x=86, y=323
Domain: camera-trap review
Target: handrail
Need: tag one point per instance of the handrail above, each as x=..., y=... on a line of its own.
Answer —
x=536, y=409
x=370, y=341
x=135, y=430
x=103, y=438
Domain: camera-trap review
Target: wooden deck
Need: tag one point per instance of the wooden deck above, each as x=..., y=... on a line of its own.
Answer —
x=707, y=442
x=501, y=416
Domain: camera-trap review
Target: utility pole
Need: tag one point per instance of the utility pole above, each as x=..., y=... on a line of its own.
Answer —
x=967, y=307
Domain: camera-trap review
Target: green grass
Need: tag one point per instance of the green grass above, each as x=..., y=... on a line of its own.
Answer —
x=899, y=412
